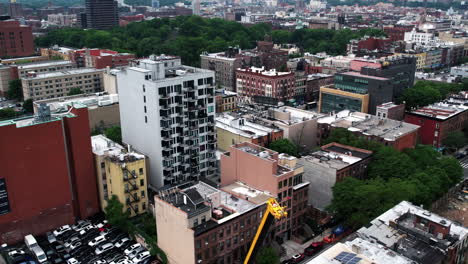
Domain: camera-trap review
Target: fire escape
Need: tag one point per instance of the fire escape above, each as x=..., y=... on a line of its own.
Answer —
x=131, y=189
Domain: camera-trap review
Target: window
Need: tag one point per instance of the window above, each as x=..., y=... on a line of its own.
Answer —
x=142, y=182
x=140, y=171
x=144, y=99
x=146, y=119
x=103, y=165
x=195, y=222
x=142, y=193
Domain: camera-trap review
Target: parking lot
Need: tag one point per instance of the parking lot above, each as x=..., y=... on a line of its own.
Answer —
x=91, y=241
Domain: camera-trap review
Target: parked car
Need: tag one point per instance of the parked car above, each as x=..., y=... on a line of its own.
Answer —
x=70, y=241
x=98, y=261
x=135, y=252
x=75, y=245
x=131, y=248
x=297, y=258
x=141, y=256
x=73, y=261
x=313, y=249
x=97, y=240
x=59, y=248
x=51, y=237
x=104, y=248
x=121, y=242
x=61, y=230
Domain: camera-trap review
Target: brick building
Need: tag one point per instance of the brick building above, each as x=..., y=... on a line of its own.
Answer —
x=100, y=58
x=397, y=33
x=313, y=84
x=391, y=111
x=262, y=169
x=16, y=40
x=369, y=44
x=265, y=83
x=437, y=121
x=330, y=165
x=48, y=176
x=397, y=134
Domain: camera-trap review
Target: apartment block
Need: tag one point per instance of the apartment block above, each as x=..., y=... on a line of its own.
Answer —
x=391, y=110
x=16, y=40
x=313, y=84
x=57, y=52
x=438, y=120
x=28, y=69
x=232, y=130
x=330, y=165
x=203, y=224
x=420, y=235
x=224, y=64
x=225, y=101
x=397, y=134
x=167, y=113
x=100, y=14
x=103, y=109
x=120, y=173
x=5, y=77
x=48, y=177
x=100, y=58
x=58, y=84
x=257, y=82
x=299, y=126
x=251, y=166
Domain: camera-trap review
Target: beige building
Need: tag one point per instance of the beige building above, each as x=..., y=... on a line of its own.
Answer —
x=5, y=78
x=120, y=173
x=110, y=81
x=43, y=67
x=59, y=84
x=103, y=109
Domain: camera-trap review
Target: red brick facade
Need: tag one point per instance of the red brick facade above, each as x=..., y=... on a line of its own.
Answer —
x=100, y=59
x=15, y=40
x=49, y=173
x=255, y=83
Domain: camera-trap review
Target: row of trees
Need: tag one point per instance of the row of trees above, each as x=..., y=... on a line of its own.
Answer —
x=426, y=92
x=419, y=175
x=189, y=36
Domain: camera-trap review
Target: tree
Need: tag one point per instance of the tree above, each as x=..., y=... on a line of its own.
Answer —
x=15, y=90
x=284, y=146
x=454, y=140
x=28, y=106
x=267, y=255
x=114, y=133
x=7, y=113
x=75, y=91
x=115, y=213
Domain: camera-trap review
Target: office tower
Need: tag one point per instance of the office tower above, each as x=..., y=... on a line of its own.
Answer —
x=167, y=113
x=101, y=14
x=196, y=7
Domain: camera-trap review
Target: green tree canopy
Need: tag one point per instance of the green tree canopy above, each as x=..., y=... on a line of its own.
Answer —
x=114, y=133
x=28, y=106
x=284, y=146
x=75, y=91
x=15, y=90
x=115, y=213
x=426, y=92
x=7, y=113
x=267, y=255
x=454, y=140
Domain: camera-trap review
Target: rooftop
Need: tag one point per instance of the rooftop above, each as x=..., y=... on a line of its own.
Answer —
x=93, y=100
x=357, y=74
x=41, y=64
x=294, y=115
x=104, y=146
x=242, y=126
x=367, y=124
x=239, y=189
x=387, y=105
x=264, y=72
x=443, y=110
x=333, y=159
x=64, y=73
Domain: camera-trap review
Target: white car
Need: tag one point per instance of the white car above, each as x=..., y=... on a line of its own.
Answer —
x=71, y=241
x=81, y=226
x=141, y=256
x=135, y=252
x=104, y=248
x=61, y=230
x=124, y=260
x=121, y=242
x=131, y=248
x=73, y=261
x=97, y=240
x=99, y=261
x=16, y=252
x=75, y=245
x=100, y=225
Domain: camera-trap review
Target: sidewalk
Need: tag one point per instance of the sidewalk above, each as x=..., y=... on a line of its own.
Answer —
x=292, y=248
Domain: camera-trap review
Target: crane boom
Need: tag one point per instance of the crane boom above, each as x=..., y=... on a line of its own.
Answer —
x=273, y=212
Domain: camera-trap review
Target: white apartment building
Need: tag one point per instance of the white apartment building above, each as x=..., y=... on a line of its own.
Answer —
x=419, y=37
x=58, y=84
x=167, y=113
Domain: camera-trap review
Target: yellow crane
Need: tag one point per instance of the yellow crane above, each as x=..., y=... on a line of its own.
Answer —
x=273, y=212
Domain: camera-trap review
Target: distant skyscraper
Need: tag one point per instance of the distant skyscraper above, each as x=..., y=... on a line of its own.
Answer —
x=100, y=14
x=196, y=7
x=15, y=9
x=155, y=3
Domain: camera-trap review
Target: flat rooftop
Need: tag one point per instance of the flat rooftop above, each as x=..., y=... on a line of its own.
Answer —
x=64, y=73
x=368, y=124
x=93, y=100
x=296, y=115
x=41, y=64
x=264, y=72
x=218, y=55
x=242, y=126
x=104, y=146
x=357, y=74
x=443, y=110
x=239, y=189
